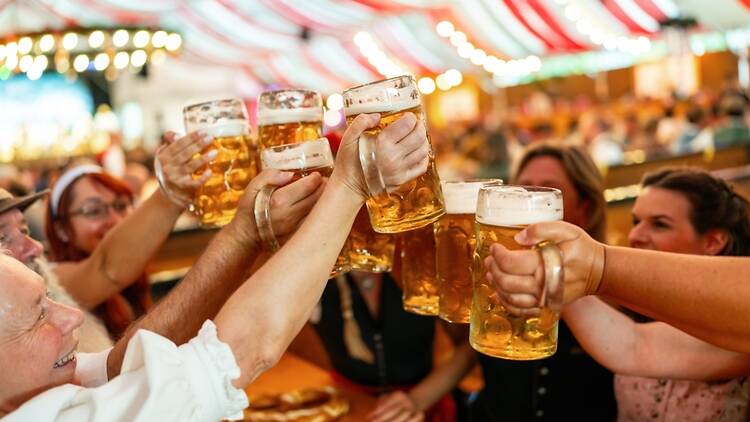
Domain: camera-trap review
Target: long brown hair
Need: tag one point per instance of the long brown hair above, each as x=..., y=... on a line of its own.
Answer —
x=585, y=176
x=120, y=310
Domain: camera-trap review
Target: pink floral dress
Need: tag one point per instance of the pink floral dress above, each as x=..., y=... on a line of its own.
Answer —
x=665, y=400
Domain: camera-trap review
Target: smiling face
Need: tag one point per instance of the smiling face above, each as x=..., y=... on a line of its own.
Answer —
x=661, y=222
x=37, y=336
x=94, y=210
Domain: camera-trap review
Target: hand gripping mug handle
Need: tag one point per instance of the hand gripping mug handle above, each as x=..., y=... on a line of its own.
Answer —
x=262, y=211
x=178, y=200
x=552, y=294
x=369, y=162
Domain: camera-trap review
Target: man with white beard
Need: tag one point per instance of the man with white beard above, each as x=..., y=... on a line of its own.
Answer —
x=14, y=237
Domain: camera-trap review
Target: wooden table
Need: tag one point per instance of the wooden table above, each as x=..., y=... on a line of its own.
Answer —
x=292, y=373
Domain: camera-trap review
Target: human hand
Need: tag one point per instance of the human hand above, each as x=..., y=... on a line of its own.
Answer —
x=177, y=159
x=396, y=407
x=518, y=275
x=402, y=153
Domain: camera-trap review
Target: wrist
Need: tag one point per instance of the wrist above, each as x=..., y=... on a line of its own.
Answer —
x=598, y=267
x=417, y=401
x=243, y=230
x=342, y=180
x=345, y=191
x=167, y=202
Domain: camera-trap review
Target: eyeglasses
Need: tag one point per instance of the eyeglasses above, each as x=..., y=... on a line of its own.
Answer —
x=100, y=210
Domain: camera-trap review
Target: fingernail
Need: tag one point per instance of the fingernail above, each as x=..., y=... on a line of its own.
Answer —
x=520, y=237
x=207, y=173
x=207, y=139
x=212, y=154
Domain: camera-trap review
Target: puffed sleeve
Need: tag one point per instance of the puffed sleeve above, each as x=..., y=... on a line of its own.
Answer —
x=158, y=381
x=91, y=368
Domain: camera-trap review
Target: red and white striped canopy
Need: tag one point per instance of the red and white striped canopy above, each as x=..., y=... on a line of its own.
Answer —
x=272, y=40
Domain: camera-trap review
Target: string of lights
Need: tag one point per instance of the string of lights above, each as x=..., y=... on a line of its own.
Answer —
x=499, y=68
x=592, y=27
x=79, y=50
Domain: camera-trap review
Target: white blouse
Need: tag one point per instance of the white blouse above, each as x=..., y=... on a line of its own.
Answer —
x=158, y=382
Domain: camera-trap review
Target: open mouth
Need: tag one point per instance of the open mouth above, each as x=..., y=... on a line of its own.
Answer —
x=66, y=360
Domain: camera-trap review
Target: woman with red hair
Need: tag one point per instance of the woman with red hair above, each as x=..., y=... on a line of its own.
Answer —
x=101, y=244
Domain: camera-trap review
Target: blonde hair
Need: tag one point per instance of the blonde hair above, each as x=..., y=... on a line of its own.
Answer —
x=584, y=174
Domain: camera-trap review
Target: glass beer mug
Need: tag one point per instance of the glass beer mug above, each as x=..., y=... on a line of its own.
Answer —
x=289, y=116
x=502, y=212
x=370, y=251
x=215, y=203
x=417, y=203
x=418, y=278
x=455, y=241
x=301, y=159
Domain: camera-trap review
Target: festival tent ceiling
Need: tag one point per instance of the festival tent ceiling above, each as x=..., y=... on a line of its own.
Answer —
x=340, y=43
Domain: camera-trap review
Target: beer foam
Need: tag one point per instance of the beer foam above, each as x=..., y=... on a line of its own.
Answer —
x=382, y=107
x=461, y=198
x=517, y=206
x=297, y=156
x=227, y=128
x=289, y=115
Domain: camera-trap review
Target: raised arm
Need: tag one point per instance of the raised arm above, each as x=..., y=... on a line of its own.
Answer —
x=262, y=317
x=121, y=257
x=704, y=296
x=225, y=263
x=653, y=350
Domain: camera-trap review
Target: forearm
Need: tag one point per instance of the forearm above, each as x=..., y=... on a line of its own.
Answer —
x=121, y=257
x=704, y=296
x=219, y=271
x=666, y=352
x=129, y=246
x=606, y=334
x=263, y=316
x=443, y=378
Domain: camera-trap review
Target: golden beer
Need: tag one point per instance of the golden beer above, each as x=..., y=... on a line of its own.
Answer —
x=289, y=117
x=215, y=203
x=370, y=251
x=494, y=331
x=454, y=245
x=419, y=202
x=420, y=285
x=303, y=159
x=288, y=133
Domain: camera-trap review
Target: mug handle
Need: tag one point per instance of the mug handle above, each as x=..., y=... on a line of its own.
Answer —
x=552, y=294
x=179, y=200
x=369, y=162
x=262, y=211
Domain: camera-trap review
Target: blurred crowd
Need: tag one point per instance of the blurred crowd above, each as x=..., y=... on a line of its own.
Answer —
x=622, y=131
